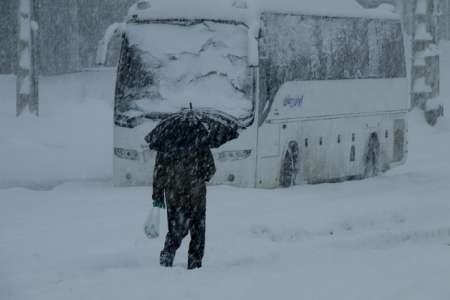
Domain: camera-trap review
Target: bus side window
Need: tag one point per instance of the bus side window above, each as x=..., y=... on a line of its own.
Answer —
x=352, y=153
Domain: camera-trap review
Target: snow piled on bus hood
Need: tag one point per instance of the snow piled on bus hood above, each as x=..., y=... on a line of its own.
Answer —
x=204, y=63
x=246, y=11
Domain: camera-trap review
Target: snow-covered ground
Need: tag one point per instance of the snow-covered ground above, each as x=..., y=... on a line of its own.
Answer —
x=72, y=139
x=66, y=233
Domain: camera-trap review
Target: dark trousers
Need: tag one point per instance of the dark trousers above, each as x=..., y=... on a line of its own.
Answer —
x=186, y=213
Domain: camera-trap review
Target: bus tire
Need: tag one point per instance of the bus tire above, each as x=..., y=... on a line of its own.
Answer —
x=372, y=157
x=288, y=171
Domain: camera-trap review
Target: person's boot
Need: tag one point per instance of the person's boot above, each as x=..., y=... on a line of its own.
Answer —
x=194, y=264
x=166, y=259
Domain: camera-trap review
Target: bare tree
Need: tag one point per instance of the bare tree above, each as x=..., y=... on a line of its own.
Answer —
x=27, y=79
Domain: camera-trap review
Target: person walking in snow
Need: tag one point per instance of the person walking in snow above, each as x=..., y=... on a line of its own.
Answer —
x=184, y=164
x=180, y=178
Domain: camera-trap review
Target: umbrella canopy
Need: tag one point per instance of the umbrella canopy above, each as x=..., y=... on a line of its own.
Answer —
x=191, y=128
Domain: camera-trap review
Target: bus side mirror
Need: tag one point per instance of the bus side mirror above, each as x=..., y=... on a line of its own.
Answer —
x=102, y=48
x=253, y=56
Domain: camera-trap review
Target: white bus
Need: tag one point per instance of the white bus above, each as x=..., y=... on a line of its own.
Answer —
x=321, y=96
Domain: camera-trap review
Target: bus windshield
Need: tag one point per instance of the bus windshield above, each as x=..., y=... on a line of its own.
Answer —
x=164, y=66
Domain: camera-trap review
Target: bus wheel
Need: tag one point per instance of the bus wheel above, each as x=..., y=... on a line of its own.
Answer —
x=372, y=157
x=288, y=172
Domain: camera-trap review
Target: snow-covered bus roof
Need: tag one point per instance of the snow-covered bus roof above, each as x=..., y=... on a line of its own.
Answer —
x=246, y=10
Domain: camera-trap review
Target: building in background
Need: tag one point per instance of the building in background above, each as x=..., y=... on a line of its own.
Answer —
x=8, y=36
x=59, y=42
x=69, y=31
x=444, y=22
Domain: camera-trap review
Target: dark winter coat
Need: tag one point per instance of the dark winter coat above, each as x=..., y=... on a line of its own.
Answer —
x=182, y=173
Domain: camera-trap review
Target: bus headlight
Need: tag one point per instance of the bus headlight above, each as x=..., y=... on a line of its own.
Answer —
x=126, y=153
x=233, y=155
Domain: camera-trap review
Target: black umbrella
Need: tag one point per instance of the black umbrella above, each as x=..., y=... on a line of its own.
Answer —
x=191, y=128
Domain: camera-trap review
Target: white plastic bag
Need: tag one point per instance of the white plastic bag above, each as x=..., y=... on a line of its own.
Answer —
x=151, y=226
